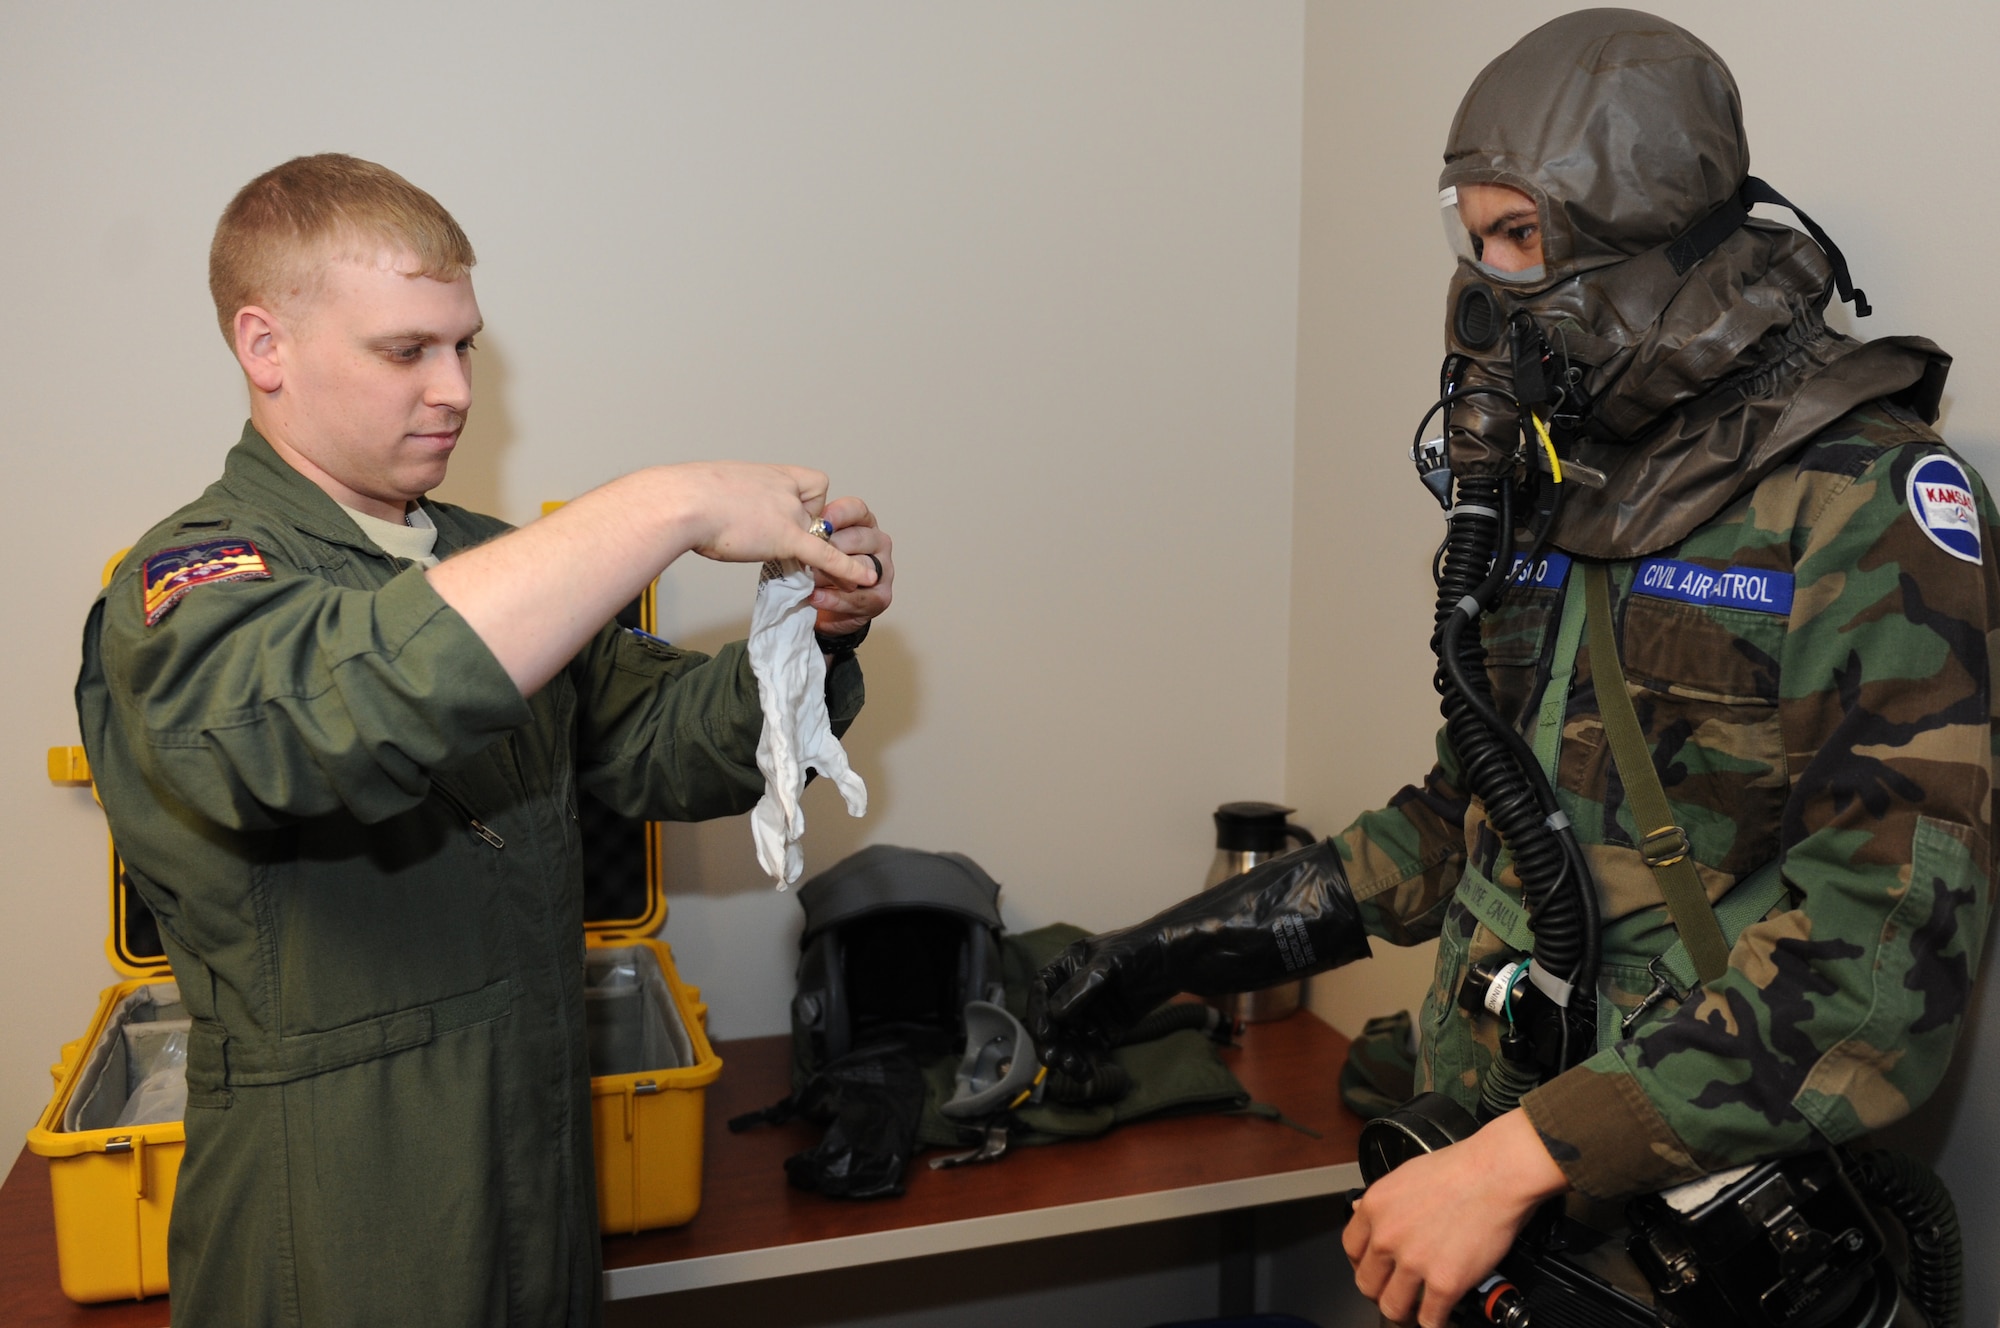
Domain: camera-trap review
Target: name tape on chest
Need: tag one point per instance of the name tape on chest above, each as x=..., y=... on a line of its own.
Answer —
x=1752, y=588
x=172, y=573
x=1942, y=502
x=1547, y=572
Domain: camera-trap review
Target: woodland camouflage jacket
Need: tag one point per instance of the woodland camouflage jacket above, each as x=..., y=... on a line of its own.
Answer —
x=1811, y=670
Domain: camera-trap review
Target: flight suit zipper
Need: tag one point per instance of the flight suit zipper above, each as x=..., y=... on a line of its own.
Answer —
x=459, y=805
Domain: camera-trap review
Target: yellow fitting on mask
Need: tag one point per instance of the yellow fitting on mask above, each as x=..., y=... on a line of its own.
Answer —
x=1549, y=446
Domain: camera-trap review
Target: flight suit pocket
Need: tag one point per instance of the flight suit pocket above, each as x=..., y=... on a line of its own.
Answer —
x=399, y=1172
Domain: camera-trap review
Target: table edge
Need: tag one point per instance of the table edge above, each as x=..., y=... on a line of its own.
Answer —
x=871, y=1247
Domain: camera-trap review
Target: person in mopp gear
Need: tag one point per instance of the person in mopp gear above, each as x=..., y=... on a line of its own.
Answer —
x=339, y=730
x=1700, y=543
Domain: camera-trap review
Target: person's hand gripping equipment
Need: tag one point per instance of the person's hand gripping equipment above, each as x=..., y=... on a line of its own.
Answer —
x=1481, y=1189
x=1283, y=919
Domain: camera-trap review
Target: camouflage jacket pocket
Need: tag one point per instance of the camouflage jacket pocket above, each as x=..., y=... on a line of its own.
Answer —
x=1707, y=682
x=1723, y=655
x=1452, y=1061
x=1913, y=981
x=1515, y=638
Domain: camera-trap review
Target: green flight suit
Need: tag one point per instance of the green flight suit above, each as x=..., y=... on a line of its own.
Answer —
x=388, y=1112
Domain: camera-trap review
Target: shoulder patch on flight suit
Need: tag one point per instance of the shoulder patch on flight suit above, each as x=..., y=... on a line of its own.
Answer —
x=171, y=573
x=1942, y=502
x=654, y=645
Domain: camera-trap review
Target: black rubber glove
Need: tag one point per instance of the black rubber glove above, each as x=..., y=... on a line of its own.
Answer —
x=872, y=1100
x=1282, y=919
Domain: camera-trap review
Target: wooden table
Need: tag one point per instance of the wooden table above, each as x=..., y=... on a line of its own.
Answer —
x=754, y=1225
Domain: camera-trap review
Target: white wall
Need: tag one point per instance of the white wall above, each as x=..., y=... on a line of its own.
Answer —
x=1866, y=115
x=1023, y=276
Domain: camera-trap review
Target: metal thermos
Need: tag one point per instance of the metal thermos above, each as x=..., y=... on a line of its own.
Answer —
x=1246, y=833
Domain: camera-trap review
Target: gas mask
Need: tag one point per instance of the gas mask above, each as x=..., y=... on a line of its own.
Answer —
x=1658, y=306
x=1542, y=367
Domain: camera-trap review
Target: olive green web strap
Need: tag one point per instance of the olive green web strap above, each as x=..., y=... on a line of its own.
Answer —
x=1747, y=902
x=1562, y=672
x=1662, y=843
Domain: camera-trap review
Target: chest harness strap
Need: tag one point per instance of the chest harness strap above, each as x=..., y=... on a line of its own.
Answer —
x=1662, y=843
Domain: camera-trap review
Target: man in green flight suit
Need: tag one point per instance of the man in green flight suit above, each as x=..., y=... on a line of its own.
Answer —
x=1761, y=525
x=339, y=731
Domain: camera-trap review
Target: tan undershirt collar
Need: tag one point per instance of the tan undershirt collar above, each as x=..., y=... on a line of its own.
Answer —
x=412, y=539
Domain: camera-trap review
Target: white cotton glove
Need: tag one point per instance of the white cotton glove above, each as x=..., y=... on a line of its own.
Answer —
x=791, y=686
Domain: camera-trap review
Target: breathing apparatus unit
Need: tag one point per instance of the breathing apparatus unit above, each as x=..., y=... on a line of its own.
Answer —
x=1790, y=1243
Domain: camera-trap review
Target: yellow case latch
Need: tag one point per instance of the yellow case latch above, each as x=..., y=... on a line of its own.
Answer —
x=68, y=765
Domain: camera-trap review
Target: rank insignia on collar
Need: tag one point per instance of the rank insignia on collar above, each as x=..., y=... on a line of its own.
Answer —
x=171, y=573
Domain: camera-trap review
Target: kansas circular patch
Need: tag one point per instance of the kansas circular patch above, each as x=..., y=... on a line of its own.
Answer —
x=1941, y=500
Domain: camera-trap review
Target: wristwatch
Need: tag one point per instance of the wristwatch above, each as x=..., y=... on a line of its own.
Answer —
x=842, y=647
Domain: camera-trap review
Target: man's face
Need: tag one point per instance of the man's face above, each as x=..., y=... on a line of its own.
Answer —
x=1505, y=226
x=376, y=381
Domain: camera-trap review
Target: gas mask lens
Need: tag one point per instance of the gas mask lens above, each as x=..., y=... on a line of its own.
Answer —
x=1507, y=262
x=1455, y=234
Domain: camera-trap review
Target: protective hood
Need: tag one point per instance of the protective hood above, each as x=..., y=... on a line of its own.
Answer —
x=1623, y=128
x=1697, y=340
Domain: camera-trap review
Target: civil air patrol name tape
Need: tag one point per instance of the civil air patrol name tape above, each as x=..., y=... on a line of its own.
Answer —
x=1755, y=588
x=1941, y=501
x=172, y=573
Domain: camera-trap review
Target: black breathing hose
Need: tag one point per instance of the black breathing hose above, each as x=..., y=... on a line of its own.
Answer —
x=1478, y=556
x=1922, y=1206
x=1107, y=1082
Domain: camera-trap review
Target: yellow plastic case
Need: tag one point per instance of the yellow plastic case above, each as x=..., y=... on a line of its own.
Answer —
x=114, y=1188
x=648, y=1124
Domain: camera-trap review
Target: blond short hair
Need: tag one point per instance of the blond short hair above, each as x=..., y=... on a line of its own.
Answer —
x=279, y=232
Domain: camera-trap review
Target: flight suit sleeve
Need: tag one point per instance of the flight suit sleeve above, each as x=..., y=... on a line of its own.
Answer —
x=1403, y=861
x=275, y=696
x=671, y=734
x=1837, y=1015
